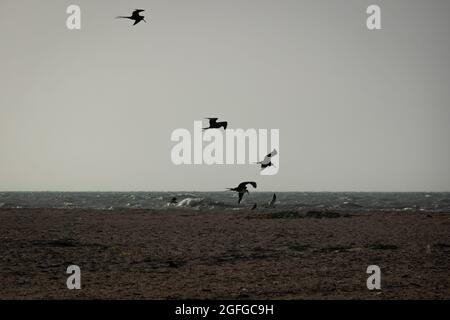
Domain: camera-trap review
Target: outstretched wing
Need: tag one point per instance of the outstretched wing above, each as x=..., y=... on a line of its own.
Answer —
x=244, y=184
x=266, y=160
x=212, y=121
x=273, y=153
x=223, y=124
x=135, y=14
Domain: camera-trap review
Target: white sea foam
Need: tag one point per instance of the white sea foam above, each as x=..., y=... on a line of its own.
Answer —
x=190, y=202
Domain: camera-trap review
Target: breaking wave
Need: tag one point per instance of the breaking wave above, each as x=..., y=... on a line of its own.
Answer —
x=200, y=203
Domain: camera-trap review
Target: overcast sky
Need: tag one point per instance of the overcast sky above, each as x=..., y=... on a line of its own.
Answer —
x=93, y=110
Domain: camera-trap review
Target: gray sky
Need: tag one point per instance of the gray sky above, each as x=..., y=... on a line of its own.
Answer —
x=357, y=110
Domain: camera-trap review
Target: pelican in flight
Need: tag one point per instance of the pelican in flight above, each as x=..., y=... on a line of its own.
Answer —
x=213, y=124
x=241, y=189
x=267, y=162
x=134, y=16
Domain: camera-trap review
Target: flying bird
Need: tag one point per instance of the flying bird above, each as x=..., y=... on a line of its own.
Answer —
x=267, y=162
x=134, y=16
x=241, y=189
x=213, y=124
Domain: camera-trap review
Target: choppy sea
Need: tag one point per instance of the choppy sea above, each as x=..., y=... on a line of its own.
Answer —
x=404, y=201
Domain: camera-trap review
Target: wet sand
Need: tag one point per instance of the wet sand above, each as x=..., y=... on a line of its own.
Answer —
x=223, y=254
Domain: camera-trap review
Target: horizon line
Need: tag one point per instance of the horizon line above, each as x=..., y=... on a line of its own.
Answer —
x=199, y=191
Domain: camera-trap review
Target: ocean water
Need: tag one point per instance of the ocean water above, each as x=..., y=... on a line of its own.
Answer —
x=433, y=202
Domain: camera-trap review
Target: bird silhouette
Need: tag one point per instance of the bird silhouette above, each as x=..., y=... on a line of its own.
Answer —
x=267, y=162
x=134, y=16
x=241, y=189
x=271, y=204
x=173, y=200
x=213, y=124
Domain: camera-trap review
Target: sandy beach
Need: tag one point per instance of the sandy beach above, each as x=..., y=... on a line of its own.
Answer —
x=223, y=254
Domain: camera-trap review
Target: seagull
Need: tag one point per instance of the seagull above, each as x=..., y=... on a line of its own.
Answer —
x=134, y=16
x=213, y=124
x=242, y=189
x=267, y=162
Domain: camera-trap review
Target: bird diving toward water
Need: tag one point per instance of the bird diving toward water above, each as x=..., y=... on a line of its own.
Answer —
x=213, y=124
x=267, y=162
x=134, y=16
x=241, y=189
